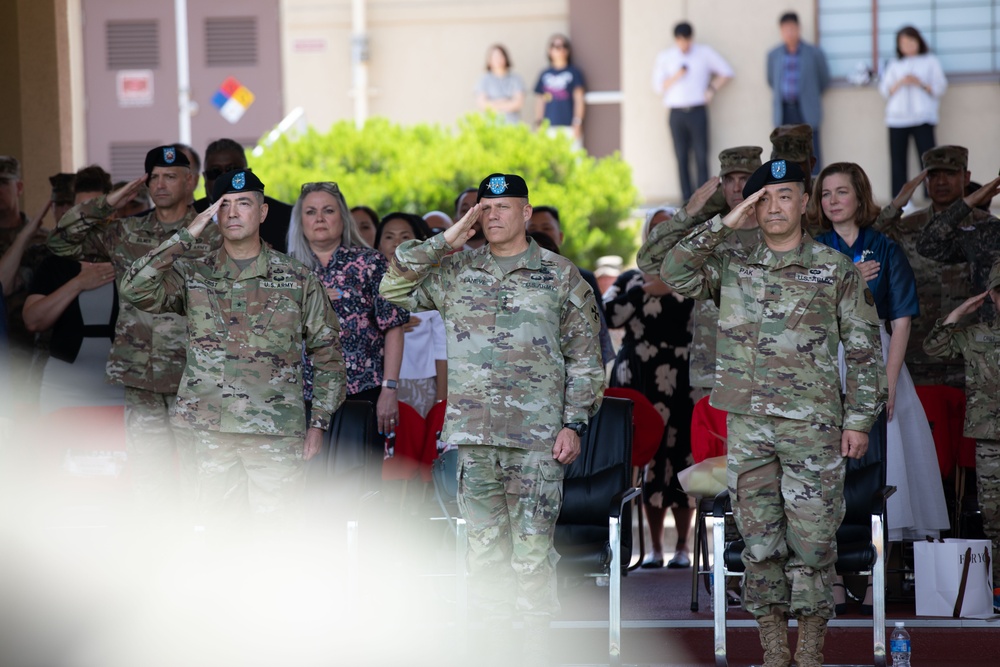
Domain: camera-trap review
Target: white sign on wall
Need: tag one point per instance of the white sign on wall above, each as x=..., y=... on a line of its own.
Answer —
x=134, y=87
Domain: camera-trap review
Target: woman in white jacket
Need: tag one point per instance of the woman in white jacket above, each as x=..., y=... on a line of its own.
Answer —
x=912, y=86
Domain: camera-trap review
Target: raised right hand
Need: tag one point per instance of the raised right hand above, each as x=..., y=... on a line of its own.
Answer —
x=970, y=305
x=701, y=196
x=126, y=193
x=202, y=220
x=984, y=194
x=906, y=192
x=735, y=218
x=458, y=234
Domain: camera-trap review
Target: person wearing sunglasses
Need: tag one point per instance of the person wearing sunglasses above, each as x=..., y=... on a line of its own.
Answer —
x=559, y=92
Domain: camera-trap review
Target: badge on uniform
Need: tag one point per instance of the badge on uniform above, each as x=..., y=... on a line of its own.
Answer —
x=498, y=184
x=239, y=180
x=169, y=154
x=869, y=297
x=778, y=169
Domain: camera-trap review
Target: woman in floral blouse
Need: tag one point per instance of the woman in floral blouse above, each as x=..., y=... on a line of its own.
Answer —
x=324, y=236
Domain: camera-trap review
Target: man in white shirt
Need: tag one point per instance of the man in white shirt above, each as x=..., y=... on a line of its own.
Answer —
x=688, y=76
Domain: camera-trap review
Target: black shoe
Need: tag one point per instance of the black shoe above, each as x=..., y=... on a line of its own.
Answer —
x=867, y=609
x=840, y=607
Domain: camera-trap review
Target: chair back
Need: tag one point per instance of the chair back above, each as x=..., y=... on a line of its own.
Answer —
x=408, y=445
x=602, y=472
x=647, y=424
x=708, y=431
x=944, y=407
x=350, y=462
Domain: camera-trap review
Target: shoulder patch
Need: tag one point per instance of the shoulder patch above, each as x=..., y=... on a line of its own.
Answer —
x=578, y=297
x=869, y=297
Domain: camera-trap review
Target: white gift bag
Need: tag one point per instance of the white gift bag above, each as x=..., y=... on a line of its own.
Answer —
x=705, y=478
x=954, y=577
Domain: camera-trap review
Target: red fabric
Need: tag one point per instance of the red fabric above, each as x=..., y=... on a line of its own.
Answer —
x=708, y=431
x=434, y=423
x=647, y=425
x=409, y=445
x=945, y=410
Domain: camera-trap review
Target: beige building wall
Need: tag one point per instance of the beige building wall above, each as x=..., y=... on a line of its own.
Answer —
x=743, y=32
x=424, y=57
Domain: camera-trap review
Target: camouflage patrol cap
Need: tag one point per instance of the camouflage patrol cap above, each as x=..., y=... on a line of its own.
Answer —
x=792, y=142
x=238, y=180
x=62, y=188
x=774, y=171
x=165, y=156
x=10, y=168
x=994, y=280
x=952, y=158
x=502, y=185
x=742, y=159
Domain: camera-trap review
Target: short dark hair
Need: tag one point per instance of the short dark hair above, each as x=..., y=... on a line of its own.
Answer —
x=195, y=159
x=551, y=210
x=545, y=241
x=417, y=225
x=502, y=50
x=367, y=210
x=683, y=29
x=92, y=179
x=789, y=17
x=224, y=146
x=461, y=194
x=913, y=33
x=569, y=48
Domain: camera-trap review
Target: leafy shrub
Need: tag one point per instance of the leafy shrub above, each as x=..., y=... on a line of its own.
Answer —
x=423, y=167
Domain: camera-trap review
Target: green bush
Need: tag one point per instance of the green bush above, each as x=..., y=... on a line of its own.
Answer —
x=423, y=167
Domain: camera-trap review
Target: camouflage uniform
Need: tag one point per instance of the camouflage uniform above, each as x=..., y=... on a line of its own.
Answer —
x=777, y=376
x=663, y=237
x=523, y=359
x=979, y=344
x=147, y=355
x=241, y=392
x=940, y=289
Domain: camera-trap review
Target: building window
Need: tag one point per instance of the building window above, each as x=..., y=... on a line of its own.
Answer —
x=859, y=36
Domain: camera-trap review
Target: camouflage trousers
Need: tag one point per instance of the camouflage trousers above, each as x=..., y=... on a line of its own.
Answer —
x=510, y=499
x=152, y=445
x=988, y=485
x=240, y=474
x=786, y=480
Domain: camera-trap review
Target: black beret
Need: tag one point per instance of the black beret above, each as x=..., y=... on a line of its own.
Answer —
x=238, y=180
x=774, y=171
x=502, y=185
x=165, y=156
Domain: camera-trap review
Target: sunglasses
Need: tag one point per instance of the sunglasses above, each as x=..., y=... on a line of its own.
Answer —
x=319, y=185
x=215, y=172
x=558, y=45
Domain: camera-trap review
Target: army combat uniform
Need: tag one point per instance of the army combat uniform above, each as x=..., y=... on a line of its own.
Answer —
x=241, y=392
x=780, y=322
x=147, y=355
x=979, y=344
x=523, y=359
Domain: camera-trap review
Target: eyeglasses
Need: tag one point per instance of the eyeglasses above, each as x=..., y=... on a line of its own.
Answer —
x=215, y=172
x=558, y=45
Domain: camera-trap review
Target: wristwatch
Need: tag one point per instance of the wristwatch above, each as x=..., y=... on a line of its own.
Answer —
x=390, y=384
x=577, y=427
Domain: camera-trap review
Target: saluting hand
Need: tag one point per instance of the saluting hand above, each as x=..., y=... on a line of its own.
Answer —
x=984, y=194
x=197, y=226
x=701, y=196
x=906, y=192
x=970, y=305
x=739, y=215
x=126, y=193
x=458, y=234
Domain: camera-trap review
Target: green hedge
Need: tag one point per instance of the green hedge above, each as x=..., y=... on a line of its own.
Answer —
x=423, y=167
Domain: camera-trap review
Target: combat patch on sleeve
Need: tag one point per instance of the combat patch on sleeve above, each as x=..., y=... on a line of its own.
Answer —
x=869, y=297
x=578, y=297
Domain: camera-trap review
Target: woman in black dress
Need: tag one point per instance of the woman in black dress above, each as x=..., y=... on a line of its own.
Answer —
x=653, y=360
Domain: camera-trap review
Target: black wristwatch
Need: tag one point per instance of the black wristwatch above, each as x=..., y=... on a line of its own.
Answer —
x=577, y=427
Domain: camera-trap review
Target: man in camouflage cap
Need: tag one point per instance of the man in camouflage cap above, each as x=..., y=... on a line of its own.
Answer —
x=251, y=310
x=524, y=379
x=785, y=304
x=979, y=345
x=794, y=143
x=148, y=352
x=735, y=167
x=931, y=239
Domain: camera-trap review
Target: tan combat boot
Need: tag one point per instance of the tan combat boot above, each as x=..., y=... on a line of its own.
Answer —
x=809, y=649
x=774, y=640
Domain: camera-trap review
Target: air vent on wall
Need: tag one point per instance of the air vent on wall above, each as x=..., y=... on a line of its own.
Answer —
x=231, y=41
x=132, y=44
x=128, y=160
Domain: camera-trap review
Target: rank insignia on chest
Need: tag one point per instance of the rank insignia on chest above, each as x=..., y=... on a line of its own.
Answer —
x=772, y=292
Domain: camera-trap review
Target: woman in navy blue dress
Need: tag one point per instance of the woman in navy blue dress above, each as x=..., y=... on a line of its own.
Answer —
x=842, y=204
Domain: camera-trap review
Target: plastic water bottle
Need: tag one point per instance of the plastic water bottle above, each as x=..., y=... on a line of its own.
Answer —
x=899, y=646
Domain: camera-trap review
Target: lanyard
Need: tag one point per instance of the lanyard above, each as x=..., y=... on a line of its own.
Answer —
x=859, y=243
